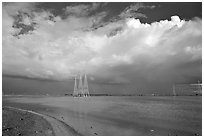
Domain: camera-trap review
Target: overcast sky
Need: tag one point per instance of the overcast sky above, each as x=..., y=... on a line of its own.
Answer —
x=115, y=43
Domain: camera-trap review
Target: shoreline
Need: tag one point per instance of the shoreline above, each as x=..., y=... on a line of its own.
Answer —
x=59, y=127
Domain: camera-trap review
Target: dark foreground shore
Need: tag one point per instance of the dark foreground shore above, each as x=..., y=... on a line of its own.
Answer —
x=18, y=123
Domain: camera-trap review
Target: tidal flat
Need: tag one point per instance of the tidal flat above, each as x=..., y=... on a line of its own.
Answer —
x=119, y=115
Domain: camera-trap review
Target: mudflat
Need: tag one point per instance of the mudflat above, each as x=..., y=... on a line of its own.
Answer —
x=120, y=115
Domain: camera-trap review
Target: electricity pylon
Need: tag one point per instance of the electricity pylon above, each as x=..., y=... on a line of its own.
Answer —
x=86, y=88
x=80, y=87
x=75, y=93
x=174, y=90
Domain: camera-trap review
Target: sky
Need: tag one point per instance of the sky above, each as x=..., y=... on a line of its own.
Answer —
x=143, y=45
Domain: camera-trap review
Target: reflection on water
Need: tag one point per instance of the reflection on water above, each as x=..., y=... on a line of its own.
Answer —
x=122, y=115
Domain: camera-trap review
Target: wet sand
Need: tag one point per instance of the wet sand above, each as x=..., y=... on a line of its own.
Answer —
x=114, y=115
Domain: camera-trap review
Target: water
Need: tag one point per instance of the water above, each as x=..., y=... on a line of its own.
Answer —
x=114, y=115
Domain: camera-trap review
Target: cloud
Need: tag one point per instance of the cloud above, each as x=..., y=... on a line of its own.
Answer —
x=133, y=11
x=124, y=51
x=81, y=10
x=12, y=8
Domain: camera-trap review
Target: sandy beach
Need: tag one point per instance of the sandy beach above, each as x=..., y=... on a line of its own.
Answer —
x=33, y=124
x=107, y=116
x=20, y=123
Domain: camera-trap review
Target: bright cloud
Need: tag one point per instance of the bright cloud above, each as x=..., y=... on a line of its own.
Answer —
x=59, y=48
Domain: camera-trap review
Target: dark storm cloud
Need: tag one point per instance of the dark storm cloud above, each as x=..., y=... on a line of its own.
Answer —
x=133, y=11
x=164, y=10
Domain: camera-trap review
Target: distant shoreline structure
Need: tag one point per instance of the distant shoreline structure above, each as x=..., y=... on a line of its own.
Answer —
x=195, y=88
x=103, y=94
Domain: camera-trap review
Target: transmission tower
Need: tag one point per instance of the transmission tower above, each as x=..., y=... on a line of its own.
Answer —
x=75, y=93
x=86, y=88
x=174, y=90
x=199, y=87
x=80, y=87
